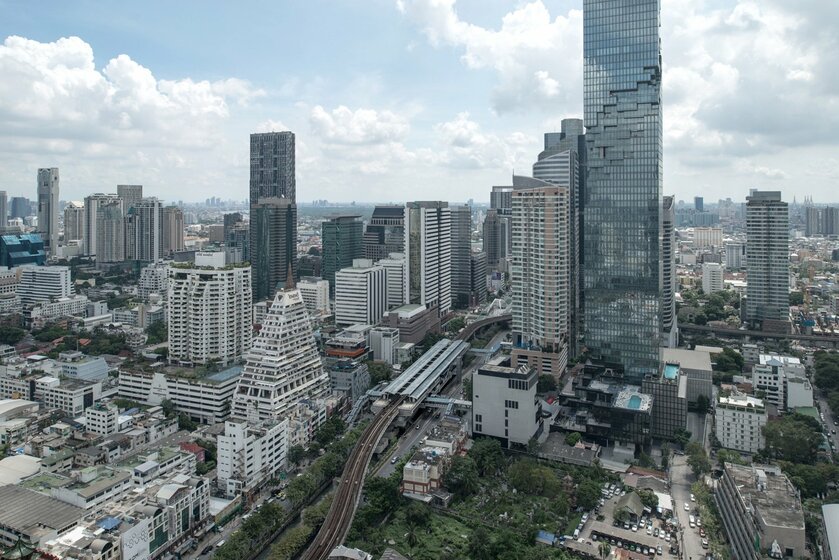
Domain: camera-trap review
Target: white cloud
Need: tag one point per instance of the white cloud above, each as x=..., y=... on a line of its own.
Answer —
x=342, y=125
x=466, y=145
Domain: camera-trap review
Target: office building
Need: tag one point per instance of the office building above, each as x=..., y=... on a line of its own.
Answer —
x=696, y=365
x=360, y=294
x=498, y=386
x=699, y=203
x=761, y=513
x=735, y=255
x=830, y=530
x=394, y=266
x=669, y=320
x=20, y=207
x=315, y=292
x=712, y=278
x=739, y=422
x=143, y=229
x=273, y=211
x=622, y=226
x=385, y=234
x=413, y=321
x=92, y=204
x=669, y=390
x=283, y=366
x=209, y=310
x=171, y=230
x=540, y=272
x=428, y=274
x=767, y=257
x=495, y=229
x=705, y=238
x=348, y=378
x=560, y=163
x=383, y=344
x=48, y=207
x=73, y=221
x=501, y=199
x=110, y=233
x=22, y=249
x=478, y=275
x=250, y=455
x=775, y=376
x=102, y=419
x=75, y=365
x=342, y=243
x=461, y=249
x=44, y=283
x=131, y=196
x=4, y=209
x=273, y=245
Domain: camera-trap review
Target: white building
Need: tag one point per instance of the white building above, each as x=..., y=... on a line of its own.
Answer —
x=774, y=374
x=102, y=419
x=383, y=343
x=209, y=310
x=44, y=283
x=394, y=266
x=73, y=221
x=428, y=250
x=707, y=238
x=76, y=365
x=735, y=256
x=739, y=422
x=70, y=306
x=360, y=294
x=712, y=278
x=249, y=455
x=283, y=365
x=495, y=387
x=315, y=293
x=91, y=210
x=205, y=399
x=143, y=230
x=154, y=279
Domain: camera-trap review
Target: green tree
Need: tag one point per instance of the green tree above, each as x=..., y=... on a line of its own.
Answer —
x=462, y=476
x=729, y=456
x=168, y=408
x=157, y=332
x=546, y=384
x=480, y=545
x=681, y=436
x=793, y=438
x=703, y=404
x=588, y=494
x=296, y=454
x=314, y=516
x=796, y=298
x=573, y=438
x=604, y=550
x=186, y=423
x=455, y=324
x=699, y=462
x=533, y=446
x=417, y=514
x=488, y=455
x=11, y=335
x=648, y=498
x=379, y=371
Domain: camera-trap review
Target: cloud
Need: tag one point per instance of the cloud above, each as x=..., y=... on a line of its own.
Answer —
x=537, y=59
x=342, y=125
x=466, y=145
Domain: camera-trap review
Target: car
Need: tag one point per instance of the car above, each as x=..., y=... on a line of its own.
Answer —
x=704, y=543
x=626, y=525
x=623, y=493
x=692, y=498
x=667, y=537
x=701, y=532
x=687, y=506
x=655, y=532
x=635, y=528
x=593, y=537
x=659, y=550
x=393, y=460
x=207, y=549
x=833, y=431
x=698, y=522
x=649, y=530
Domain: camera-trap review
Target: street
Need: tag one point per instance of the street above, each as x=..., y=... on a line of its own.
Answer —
x=681, y=480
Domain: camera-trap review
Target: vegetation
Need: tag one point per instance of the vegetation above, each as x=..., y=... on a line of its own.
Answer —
x=546, y=384
x=827, y=377
x=730, y=456
x=711, y=521
x=697, y=459
x=103, y=342
x=379, y=371
x=729, y=361
x=573, y=438
x=11, y=335
x=49, y=333
x=158, y=332
x=455, y=325
x=793, y=437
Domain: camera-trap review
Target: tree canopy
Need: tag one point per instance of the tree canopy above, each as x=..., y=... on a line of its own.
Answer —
x=793, y=437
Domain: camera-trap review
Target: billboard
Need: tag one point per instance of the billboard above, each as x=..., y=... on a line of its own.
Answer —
x=136, y=541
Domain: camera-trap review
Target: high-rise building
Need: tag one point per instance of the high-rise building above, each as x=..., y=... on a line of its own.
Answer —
x=283, y=365
x=767, y=257
x=91, y=209
x=360, y=293
x=559, y=163
x=209, y=311
x=461, y=250
x=735, y=255
x=171, y=230
x=110, y=232
x=20, y=207
x=622, y=227
x=478, y=275
x=428, y=274
x=315, y=292
x=669, y=322
x=273, y=245
x=4, y=209
x=48, y=207
x=699, y=203
x=273, y=210
x=342, y=243
x=44, y=283
x=540, y=272
x=495, y=238
x=131, y=196
x=394, y=266
x=385, y=234
x=501, y=200
x=143, y=229
x=73, y=221
x=712, y=278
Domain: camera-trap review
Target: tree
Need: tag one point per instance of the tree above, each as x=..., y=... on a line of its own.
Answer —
x=455, y=324
x=796, y=298
x=573, y=438
x=665, y=455
x=168, y=407
x=462, y=476
x=604, y=549
x=296, y=454
x=488, y=455
x=11, y=335
x=546, y=384
x=186, y=423
x=158, y=332
x=699, y=462
x=480, y=545
x=379, y=371
x=648, y=498
x=622, y=515
x=703, y=404
x=417, y=514
x=729, y=456
x=793, y=438
x=681, y=436
x=588, y=494
x=533, y=446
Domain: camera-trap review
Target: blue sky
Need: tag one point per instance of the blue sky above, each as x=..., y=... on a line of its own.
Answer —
x=398, y=99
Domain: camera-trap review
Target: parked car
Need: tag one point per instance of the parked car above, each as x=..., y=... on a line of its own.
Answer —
x=659, y=550
x=687, y=506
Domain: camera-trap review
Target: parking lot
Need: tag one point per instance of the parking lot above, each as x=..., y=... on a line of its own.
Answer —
x=649, y=537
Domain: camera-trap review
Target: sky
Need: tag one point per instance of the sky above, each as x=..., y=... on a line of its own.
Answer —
x=395, y=100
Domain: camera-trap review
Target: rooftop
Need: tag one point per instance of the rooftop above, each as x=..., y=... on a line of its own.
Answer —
x=741, y=401
x=769, y=493
x=830, y=513
x=632, y=399
x=688, y=359
x=27, y=511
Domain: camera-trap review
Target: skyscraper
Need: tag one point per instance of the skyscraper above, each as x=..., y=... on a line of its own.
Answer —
x=272, y=178
x=91, y=223
x=767, y=260
x=273, y=245
x=360, y=293
x=428, y=249
x=341, y=243
x=171, y=230
x=73, y=221
x=48, y=207
x=478, y=274
x=495, y=238
x=669, y=325
x=623, y=198
x=110, y=232
x=501, y=200
x=385, y=233
x=4, y=209
x=131, y=195
x=540, y=271
x=143, y=231
x=20, y=207
x=461, y=250
x=699, y=203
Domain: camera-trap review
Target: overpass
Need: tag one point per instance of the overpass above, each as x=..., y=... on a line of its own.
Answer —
x=825, y=341
x=469, y=331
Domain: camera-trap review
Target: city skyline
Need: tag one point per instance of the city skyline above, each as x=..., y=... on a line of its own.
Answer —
x=452, y=98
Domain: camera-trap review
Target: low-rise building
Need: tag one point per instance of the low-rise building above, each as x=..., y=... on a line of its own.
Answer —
x=383, y=343
x=34, y=517
x=348, y=378
x=424, y=472
x=315, y=294
x=772, y=376
x=761, y=513
x=413, y=321
x=76, y=365
x=739, y=423
x=348, y=344
x=102, y=419
x=249, y=455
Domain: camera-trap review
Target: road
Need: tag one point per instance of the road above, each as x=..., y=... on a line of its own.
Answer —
x=681, y=479
x=829, y=422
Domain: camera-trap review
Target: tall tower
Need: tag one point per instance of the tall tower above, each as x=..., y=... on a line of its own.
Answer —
x=273, y=245
x=461, y=251
x=623, y=199
x=342, y=241
x=171, y=230
x=4, y=209
x=73, y=221
x=669, y=326
x=143, y=230
x=131, y=196
x=385, y=233
x=48, y=207
x=495, y=238
x=272, y=176
x=91, y=221
x=767, y=260
x=428, y=253
x=110, y=232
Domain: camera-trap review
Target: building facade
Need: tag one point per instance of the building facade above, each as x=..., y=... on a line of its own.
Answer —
x=249, y=455
x=428, y=271
x=385, y=234
x=767, y=258
x=315, y=292
x=91, y=223
x=360, y=294
x=143, y=229
x=461, y=249
x=171, y=230
x=712, y=278
x=394, y=265
x=48, y=207
x=739, y=422
x=73, y=221
x=341, y=243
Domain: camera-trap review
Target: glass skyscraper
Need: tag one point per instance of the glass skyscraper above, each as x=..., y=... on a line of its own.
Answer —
x=623, y=198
